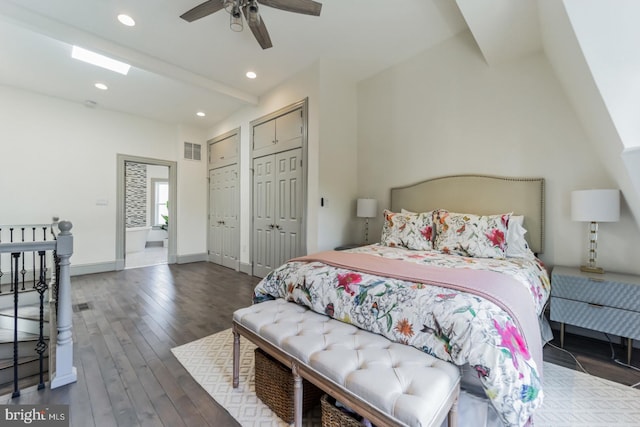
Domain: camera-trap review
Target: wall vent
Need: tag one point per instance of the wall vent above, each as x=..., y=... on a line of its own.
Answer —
x=192, y=151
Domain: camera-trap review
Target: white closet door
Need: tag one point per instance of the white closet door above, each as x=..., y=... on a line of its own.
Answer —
x=224, y=152
x=289, y=128
x=263, y=214
x=279, y=134
x=230, y=231
x=277, y=210
x=264, y=135
x=289, y=205
x=216, y=197
x=223, y=216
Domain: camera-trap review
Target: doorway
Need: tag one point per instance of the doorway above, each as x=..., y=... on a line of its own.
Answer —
x=146, y=212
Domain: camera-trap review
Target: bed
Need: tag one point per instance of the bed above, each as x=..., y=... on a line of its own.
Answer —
x=455, y=275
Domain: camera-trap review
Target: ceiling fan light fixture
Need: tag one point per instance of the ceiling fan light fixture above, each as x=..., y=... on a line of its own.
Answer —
x=235, y=22
x=252, y=12
x=228, y=5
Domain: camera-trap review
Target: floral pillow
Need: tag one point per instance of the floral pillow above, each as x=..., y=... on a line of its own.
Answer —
x=408, y=229
x=482, y=236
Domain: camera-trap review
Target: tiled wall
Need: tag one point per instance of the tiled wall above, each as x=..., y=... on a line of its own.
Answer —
x=135, y=194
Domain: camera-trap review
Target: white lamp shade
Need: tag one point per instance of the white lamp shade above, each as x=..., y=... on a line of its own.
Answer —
x=367, y=208
x=595, y=205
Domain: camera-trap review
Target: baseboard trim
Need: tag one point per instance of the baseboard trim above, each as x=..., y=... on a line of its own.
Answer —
x=245, y=268
x=185, y=259
x=102, y=267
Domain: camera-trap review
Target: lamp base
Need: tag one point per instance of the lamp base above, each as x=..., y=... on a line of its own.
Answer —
x=587, y=269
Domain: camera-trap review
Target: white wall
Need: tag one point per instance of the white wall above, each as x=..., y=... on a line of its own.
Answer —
x=338, y=179
x=59, y=158
x=446, y=112
x=192, y=195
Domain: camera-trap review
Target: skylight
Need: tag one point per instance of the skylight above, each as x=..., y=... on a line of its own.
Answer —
x=99, y=60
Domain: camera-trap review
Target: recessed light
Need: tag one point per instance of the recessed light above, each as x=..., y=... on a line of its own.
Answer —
x=200, y=114
x=101, y=86
x=251, y=75
x=126, y=20
x=99, y=60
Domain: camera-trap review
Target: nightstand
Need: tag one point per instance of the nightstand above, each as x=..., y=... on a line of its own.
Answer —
x=606, y=302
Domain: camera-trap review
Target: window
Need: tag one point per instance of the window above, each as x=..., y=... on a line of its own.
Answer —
x=160, y=202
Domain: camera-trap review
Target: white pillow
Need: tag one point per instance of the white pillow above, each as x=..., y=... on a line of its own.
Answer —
x=517, y=246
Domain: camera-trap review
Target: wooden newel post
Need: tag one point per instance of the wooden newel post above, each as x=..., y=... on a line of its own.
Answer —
x=65, y=371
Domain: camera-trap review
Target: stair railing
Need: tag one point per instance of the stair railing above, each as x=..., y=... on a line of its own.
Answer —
x=19, y=251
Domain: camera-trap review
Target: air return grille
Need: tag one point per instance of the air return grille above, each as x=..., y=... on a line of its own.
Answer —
x=192, y=151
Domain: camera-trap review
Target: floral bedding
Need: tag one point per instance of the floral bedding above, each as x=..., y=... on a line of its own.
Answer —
x=452, y=325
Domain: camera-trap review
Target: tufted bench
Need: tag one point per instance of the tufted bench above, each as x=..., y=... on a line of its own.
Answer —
x=388, y=383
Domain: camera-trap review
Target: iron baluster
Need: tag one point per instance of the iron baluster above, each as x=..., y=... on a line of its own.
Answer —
x=14, y=287
x=10, y=263
x=23, y=272
x=41, y=287
x=33, y=256
x=44, y=238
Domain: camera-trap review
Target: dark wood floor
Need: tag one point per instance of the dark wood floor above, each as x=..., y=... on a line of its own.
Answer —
x=595, y=356
x=127, y=375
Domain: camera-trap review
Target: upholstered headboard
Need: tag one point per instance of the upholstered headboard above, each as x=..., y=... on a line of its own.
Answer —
x=482, y=195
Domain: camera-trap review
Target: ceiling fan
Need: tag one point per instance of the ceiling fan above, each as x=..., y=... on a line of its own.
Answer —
x=236, y=8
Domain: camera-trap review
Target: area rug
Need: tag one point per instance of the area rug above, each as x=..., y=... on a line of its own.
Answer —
x=572, y=399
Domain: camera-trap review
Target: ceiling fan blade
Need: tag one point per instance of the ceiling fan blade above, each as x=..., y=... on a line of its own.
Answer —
x=307, y=7
x=202, y=10
x=258, y=29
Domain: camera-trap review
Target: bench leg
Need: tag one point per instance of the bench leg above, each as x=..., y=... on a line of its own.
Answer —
x=452, y=418
x=297, y=396
x=236, y=359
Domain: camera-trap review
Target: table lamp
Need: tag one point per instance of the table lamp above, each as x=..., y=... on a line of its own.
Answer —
x=594, y=206
x=367, y=208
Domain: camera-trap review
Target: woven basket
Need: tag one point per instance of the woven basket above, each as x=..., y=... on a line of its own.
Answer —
x=275, y=387
x=334, y=417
